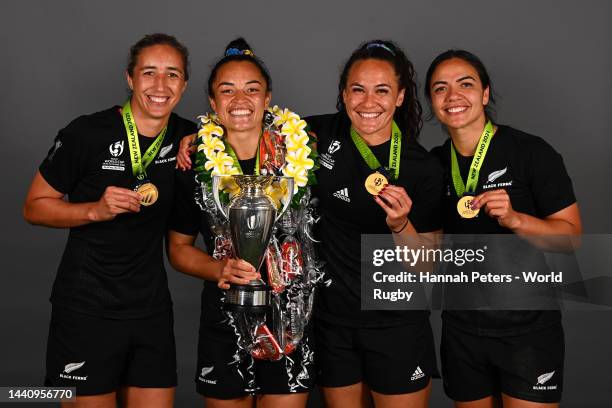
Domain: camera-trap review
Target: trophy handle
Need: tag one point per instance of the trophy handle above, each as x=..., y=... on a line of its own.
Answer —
x=290, y=192
x=216, y=180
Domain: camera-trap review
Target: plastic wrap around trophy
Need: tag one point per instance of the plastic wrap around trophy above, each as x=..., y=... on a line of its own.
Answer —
x=251, y=215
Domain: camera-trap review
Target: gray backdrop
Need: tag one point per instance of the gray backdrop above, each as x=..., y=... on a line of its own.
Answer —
x=550, y=63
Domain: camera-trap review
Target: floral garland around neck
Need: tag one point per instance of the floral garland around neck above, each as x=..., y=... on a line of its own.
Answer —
x=299, y=151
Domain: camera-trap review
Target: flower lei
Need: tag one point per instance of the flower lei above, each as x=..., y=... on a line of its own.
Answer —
x=300, y=154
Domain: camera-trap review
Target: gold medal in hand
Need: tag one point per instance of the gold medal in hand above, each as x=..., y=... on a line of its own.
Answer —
x=464, y=207
x=375, y=183
x=149, y=193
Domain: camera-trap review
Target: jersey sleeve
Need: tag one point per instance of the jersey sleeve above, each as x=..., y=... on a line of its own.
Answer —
x=551, y=186
x=426, y=211
x=65, y=162
x=186, y=214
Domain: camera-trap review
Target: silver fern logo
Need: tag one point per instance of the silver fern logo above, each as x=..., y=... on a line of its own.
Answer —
x=543, y=379
x=206, y=371
x=73, y=367
x=58, y=144
x=496, y=174
x=164, y=151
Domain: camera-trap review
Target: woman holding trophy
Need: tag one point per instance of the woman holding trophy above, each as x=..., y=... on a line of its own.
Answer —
x=375, y=178
x=253, y=337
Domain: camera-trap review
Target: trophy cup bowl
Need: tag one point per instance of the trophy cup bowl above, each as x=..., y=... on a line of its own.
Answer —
x=251, y=215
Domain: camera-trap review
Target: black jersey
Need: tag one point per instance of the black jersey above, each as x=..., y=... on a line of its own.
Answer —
x=347, y=210
x=536, y=180
x=187, y=218
x=112, y=268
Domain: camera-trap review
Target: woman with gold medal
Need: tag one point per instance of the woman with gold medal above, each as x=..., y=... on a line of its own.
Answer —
x=375, y=178
x=245, y=136
x=109, y=178
x=499, y=181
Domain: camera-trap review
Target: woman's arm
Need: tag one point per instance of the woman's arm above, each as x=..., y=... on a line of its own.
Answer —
x=550, y=233
x=46, y=206
x=187, y=258
x=396, y=203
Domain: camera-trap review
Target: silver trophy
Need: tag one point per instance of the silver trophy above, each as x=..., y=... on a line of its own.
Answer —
x=251, y=215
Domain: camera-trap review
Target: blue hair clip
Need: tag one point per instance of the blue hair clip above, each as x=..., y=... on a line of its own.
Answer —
x=235, y=51
x=380, y=45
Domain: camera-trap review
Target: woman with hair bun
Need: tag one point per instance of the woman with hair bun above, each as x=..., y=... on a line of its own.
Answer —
x=244, y=360
x=514, y=183
x=387, y=356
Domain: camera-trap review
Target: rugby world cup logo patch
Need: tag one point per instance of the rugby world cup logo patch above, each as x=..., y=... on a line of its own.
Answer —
x=116, y=149
x=333, y=147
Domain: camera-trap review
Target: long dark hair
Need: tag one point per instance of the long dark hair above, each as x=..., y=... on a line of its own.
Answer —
x=408, y=115
x=476, y=63
x=239, y=50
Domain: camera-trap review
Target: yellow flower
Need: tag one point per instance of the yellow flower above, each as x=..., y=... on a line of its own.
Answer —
x=299, y=175
x=218, y=162
x=228, y=184
x=209, y=117
x=284, y=116
x=224, y=171
x=277, y=191
x=210, y=145
x=211, y=129
x=275, y=110
x=297, y=140
x=299, y=158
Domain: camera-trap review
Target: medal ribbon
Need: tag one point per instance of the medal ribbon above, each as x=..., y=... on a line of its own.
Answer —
x=394, y=151
x=232, y=154
x=474, y=173
x=139, y=163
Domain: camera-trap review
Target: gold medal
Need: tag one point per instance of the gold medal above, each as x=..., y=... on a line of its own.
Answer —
x=464, y=207
x=375, y=183
x=149, y=193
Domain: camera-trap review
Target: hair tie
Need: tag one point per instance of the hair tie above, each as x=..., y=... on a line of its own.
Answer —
x=380, y=45
x=235, y=51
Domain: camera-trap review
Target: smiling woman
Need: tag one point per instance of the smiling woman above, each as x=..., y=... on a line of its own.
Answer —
x=111, y=333
x=371, y=97
x=240, y=97
x=245, y=359
x=375, y=178
x=527, y=192
x=157, y=75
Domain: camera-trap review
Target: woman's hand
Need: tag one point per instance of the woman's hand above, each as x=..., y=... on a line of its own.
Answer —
x=496, y=203
x=115, y=201
x=186, y=148
x=236, y=271
x=397, y=204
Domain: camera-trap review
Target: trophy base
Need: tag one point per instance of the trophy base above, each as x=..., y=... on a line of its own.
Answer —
x=247, y=298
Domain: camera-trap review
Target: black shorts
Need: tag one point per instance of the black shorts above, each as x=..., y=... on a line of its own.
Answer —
x=528, y=366
x=98, y=355
x=225, y=373
x=390, y=360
